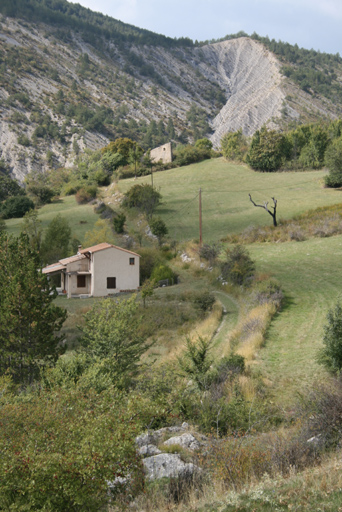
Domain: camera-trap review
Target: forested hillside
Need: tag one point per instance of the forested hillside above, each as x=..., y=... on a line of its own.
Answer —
x=73, y=79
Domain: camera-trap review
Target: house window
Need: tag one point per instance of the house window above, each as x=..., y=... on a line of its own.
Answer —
x=132, y=261
x=111, y=282
x=81, y=281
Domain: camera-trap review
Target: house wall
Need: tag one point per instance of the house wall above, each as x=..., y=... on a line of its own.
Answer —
x=78, y=266
x=163, y=153
x=72, y=286
x=114, y=263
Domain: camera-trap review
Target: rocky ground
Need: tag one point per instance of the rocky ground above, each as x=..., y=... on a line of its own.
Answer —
x=39, y=65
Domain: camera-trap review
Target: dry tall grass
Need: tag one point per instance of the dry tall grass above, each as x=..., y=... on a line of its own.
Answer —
x=321, y=222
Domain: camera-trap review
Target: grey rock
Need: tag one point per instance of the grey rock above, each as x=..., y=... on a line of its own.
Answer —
x=167, y=465
x=146, y=439
x=149, y=450
x=187, y=441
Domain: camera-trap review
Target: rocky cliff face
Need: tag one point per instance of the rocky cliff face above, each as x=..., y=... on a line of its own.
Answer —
x=59, y=97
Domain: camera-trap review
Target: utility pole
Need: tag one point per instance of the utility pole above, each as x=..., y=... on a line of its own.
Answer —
x=135, y=159
x=200, y=217
x=151, y=175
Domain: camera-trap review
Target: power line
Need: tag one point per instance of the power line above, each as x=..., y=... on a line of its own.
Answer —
x=183, y=208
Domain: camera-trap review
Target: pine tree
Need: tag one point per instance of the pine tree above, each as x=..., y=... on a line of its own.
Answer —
x=28, y=319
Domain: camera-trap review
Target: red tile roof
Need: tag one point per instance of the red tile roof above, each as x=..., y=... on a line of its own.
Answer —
x=71, y=259
x=105, y=245
x=61, y=264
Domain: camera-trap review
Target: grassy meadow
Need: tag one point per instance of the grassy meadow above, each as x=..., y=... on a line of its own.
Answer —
x=310, y=274
x=225, y=202
x=80, y=217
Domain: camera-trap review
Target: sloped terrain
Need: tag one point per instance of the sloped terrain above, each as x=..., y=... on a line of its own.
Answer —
x=60, y=94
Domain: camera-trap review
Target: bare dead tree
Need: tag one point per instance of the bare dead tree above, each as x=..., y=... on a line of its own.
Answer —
x=265, y=207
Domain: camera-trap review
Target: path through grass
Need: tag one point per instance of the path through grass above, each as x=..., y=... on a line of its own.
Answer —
x=310, y=273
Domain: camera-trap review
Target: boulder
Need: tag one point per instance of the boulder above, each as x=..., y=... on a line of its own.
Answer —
x=149, y=450
x=167, y=465
x=187, y=441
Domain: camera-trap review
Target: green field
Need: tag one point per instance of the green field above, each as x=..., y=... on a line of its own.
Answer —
x=225, y=201
x=310, y=273
x=81, y=217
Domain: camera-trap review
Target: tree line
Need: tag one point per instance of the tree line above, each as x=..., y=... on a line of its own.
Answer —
x=68, y=16
x=308, y=146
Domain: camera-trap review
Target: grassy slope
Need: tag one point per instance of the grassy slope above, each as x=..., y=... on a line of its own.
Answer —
x=81, y=217
x=311, y=276
x=310, y=272
x=225, y=188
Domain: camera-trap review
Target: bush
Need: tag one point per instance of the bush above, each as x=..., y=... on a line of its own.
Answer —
x=238, y=267
x=186, y=155
x=210, y=252
x=41, y=193
x=61, y=449
x=333, y=160
x=144, y=197
x=234, y=146
x=158, y=229
x=267, y=150
x=119, y=222
x=204, y=300
x=330, y=355
x=162, y=272
x=86, y=194
x=16, y=207
x=150, y=258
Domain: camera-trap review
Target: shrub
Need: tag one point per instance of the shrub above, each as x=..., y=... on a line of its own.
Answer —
x=196, y=362
x=330, y=355
x=15, y=207
x=333, y=160
x=186, y=155
x=204, y=300
x=234, y=146
x=119, y=222
x=267, y=150
x=41, y=193
x=159, y=229
x=61, y=449
x=162, y=272
x=238, y=267
x=210, y=252
x=150, y=258
x=86, y=194
x=144, y=197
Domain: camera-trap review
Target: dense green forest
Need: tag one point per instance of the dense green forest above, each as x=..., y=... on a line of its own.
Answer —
x=66, y=15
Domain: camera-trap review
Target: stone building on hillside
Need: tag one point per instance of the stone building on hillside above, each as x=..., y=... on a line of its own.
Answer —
x=163, y=153
x=97, y=271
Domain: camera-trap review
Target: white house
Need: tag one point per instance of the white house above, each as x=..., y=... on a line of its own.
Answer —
x=97, y=271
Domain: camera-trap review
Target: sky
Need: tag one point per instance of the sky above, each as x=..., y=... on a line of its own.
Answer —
x=309, y=23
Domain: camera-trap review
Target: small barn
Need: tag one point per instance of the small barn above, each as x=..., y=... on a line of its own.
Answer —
x=97, y=271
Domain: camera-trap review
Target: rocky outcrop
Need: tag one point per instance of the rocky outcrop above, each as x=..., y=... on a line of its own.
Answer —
x=250, y=75
x=241, y=70
x=158, y=464
x=167, y=465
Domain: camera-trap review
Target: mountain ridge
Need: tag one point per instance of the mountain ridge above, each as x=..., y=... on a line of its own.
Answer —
x=61, y=94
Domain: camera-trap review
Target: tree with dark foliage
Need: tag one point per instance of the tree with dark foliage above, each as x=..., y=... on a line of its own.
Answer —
x=28, y=319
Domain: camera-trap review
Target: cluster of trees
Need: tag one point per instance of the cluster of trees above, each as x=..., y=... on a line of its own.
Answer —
x=308, y=146
x=92, y=25
x=13, y=199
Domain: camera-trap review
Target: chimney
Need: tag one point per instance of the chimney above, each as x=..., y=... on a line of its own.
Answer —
x=79, y=249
